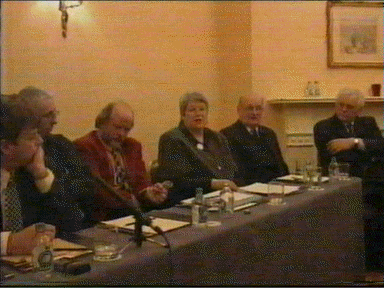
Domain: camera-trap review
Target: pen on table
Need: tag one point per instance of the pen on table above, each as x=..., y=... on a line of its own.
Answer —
x=7, y=276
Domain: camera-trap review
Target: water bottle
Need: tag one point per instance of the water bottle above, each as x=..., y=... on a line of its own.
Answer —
x=203, y=212
x=230, y=196
x=333, y=170
x=223, y=200
x=307, y=171
x=199, y=196
x=42, y=254
x=195, y=214
x=196, y=206
x=316, y=89
x=307, y=89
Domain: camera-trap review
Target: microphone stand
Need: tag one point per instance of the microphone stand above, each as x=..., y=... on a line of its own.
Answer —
x=140, y=217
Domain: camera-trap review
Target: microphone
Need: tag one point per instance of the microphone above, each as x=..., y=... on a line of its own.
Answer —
x=134, y=206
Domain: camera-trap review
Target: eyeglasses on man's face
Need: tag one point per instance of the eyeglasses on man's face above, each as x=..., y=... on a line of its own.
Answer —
x=51, y=114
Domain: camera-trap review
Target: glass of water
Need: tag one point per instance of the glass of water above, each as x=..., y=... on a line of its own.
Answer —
x=314, y=175
x=105, y=252
x=276, y=194
x=344, y=171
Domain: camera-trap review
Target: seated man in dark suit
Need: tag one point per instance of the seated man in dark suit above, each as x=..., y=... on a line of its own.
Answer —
x=24, y=175
x=254, y=147
x=348, y=136
x=357, y=140
x=61, y=156
x=117, y=159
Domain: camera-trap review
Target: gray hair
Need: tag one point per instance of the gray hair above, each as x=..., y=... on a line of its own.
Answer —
x=33, y=94
x=30, y=98
x=353, y=94
x=191, y=97
x=106, y=113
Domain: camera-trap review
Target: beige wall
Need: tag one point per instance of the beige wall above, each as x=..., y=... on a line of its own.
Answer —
x=288, y=49
x=150, y=53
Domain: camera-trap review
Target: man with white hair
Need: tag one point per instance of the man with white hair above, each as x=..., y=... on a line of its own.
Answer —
x=72, y=176
x=357, y=140
x=349, y=137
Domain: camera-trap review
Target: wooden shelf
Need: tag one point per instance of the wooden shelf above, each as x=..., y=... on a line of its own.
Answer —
x=295, y=101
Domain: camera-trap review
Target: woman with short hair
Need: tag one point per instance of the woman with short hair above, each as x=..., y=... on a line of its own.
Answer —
x=192, y=155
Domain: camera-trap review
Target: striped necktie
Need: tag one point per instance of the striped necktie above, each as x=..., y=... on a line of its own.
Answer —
x=121, y=178
x=11, y=208
x=119, y=166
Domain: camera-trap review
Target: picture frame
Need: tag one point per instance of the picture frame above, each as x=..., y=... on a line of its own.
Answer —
x=355, y=34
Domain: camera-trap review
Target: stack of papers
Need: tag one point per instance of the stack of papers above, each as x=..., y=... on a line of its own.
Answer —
x=261, y=188
x=128, y=223
x=297, y=178
x=240, y=198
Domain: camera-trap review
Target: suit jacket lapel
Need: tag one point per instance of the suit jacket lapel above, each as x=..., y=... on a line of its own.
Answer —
x=109, y=169
x=246, y=136
x=340, y=128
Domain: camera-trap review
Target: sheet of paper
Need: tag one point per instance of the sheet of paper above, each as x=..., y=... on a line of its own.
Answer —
x=241, y=207
x=164, y=224
x=299, y=178
x=60, y=244
x=238, y=197
x=129, y=221
x=262, y=188
x=121, y=222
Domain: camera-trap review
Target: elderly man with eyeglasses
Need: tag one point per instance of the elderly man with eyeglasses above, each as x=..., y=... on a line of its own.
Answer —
x=61, y=157
x=347, y=135
x=357, y=140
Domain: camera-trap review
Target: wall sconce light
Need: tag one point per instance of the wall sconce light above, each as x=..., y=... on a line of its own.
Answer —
x=63, y=6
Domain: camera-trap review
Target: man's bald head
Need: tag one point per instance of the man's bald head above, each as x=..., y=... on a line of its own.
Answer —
x=115, y=121
x=250, y=109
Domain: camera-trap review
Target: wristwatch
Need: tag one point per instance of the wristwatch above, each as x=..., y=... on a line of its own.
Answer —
x=356, y=141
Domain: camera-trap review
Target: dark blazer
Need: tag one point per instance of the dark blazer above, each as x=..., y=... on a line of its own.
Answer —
x=55, y=207
x=95, y=156
x=259, y=157
x=190, y=168
x=333, y=128
x=68, y=166
x=68, y=204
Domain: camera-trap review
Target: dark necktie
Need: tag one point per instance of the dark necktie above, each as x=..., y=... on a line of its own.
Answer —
x=349, y=127
x=12, y=218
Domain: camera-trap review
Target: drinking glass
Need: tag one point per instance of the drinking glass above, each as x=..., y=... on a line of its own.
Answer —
x=105, y=251
x=276, y=194
x=344, y=171
x=307, y=167
x=314, y=175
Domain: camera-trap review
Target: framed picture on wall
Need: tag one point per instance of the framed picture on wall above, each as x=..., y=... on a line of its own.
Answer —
x=355, y=34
